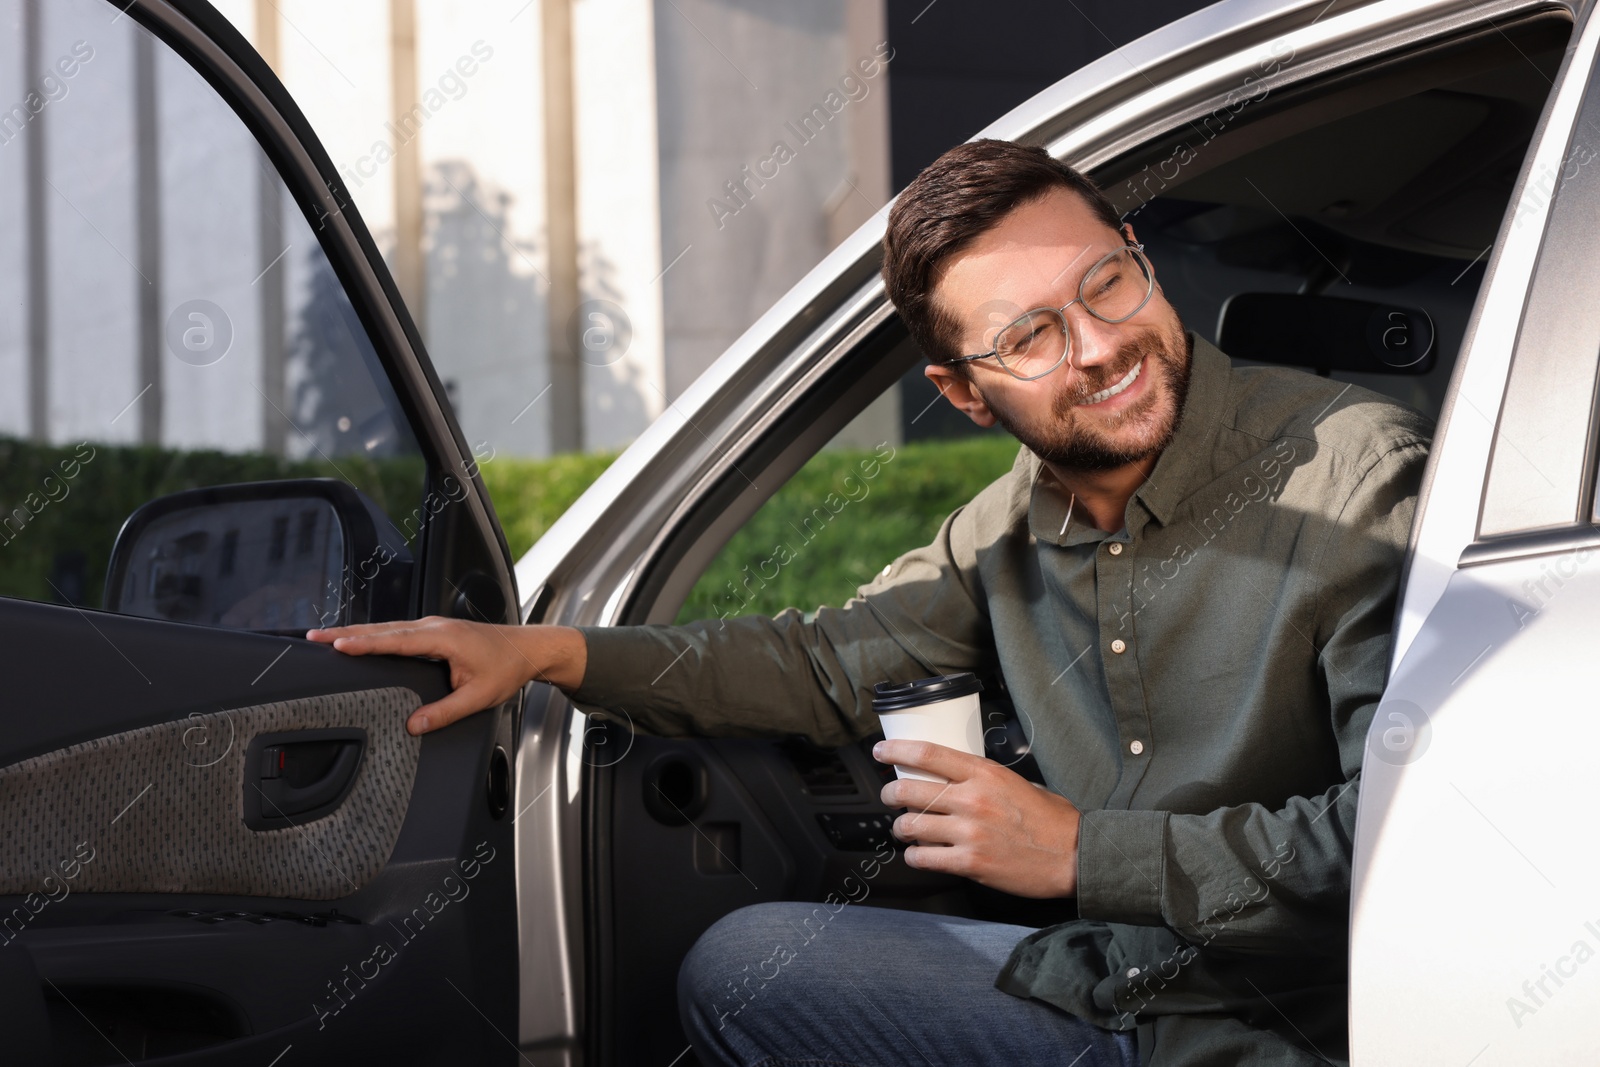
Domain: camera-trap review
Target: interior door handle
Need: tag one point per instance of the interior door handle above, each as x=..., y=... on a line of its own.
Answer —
x=299, y=775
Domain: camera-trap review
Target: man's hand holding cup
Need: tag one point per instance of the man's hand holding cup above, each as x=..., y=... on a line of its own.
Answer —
x=969, y=815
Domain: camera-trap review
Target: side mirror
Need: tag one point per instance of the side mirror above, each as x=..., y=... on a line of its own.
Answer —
x=282, y=556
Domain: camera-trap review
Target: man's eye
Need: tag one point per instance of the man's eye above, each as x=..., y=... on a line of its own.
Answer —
x=1019, y=341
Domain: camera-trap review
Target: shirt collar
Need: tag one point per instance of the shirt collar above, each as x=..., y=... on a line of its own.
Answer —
x=1183, y=464
x=1187, y=462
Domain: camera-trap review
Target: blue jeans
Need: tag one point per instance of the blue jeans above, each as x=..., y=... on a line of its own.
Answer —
x=790, y=983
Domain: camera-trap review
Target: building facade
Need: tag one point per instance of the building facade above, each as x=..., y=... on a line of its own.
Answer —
x=583, y=201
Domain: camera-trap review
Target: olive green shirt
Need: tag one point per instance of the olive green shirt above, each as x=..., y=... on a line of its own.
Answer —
x=1199, y=684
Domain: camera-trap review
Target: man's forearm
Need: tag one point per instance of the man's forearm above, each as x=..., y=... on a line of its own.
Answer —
x=554, y=654
x=1245, y=877
x=747, y=675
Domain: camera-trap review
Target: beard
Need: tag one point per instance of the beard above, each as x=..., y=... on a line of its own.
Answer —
x=1070, y=442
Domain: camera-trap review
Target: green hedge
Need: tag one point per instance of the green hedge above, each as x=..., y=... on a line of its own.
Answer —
x=804, y=547
x=530, y=494
x=58, y=500
x=867, y=523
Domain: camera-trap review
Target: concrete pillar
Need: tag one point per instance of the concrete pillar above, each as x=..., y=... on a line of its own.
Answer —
x=620, y=253
x=564, y=407
x=409, y=266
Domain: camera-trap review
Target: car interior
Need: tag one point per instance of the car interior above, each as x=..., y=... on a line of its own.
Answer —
x=1341, y=225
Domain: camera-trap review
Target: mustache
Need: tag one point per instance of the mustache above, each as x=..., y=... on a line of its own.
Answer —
x=1134, y=350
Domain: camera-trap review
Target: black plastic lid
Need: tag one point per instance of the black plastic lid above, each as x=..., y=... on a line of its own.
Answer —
x=898, y=696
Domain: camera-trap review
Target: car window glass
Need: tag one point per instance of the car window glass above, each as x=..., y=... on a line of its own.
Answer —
x=170, y=322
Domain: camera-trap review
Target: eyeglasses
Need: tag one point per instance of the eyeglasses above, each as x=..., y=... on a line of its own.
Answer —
x=1114, y=290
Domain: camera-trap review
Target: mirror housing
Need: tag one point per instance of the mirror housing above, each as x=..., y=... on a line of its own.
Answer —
x=280, y=557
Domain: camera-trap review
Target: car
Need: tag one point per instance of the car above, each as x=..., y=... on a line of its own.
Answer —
x=219, y=842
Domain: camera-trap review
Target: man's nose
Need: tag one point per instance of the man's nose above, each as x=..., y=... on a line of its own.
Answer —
x=1094, y=342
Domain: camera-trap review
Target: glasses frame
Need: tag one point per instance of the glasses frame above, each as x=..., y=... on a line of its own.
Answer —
x=1061, y=312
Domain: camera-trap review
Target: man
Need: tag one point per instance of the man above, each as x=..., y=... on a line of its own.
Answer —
x=1187, y=582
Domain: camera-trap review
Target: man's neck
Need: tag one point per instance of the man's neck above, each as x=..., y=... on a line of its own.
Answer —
x=1102, y=496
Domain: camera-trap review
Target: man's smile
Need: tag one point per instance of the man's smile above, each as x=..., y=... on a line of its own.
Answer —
x=1111, y=391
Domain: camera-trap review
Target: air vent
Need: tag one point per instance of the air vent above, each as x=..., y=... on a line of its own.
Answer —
x=822, y=772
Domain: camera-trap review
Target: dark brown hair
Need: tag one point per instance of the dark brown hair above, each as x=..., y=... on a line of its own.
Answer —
x=957, y=198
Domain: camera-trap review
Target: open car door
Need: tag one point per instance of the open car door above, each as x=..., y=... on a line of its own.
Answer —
x=219, y=429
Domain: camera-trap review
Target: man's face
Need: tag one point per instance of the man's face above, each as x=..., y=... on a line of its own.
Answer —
x=1035, y=257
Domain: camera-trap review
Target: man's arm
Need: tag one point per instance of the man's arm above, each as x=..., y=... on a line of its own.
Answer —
x=749, y=676
x=759, y=676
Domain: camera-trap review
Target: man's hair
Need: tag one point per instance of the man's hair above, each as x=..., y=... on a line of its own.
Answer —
x=957, y=198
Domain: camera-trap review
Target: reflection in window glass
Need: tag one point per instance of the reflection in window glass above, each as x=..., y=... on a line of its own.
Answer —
x=167, y=317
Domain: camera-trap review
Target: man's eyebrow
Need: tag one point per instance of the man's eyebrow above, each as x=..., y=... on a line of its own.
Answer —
x=1081, y=253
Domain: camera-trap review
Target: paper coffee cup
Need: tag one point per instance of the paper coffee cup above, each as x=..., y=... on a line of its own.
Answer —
x=942, y=709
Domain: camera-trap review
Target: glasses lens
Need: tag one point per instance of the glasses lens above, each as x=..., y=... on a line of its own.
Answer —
x=1118, y=286
x=1032, y=344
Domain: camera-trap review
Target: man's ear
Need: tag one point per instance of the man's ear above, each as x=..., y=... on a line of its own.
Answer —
x=959, y=391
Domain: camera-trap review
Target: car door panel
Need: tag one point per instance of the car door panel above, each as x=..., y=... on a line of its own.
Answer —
x=1467, y=861
x=130, y=882
x=126, y=672
x=155, y=777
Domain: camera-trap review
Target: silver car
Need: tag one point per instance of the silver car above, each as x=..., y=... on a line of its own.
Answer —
x=218, y=840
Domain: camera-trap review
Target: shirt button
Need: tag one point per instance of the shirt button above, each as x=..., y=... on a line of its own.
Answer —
x=886, y=567
x=1133, y=972
x=1115, y=548
x=1136, y=747
x=1119, y=646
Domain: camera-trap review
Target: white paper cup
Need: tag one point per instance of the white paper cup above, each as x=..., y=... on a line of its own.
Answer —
x=943, y=709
